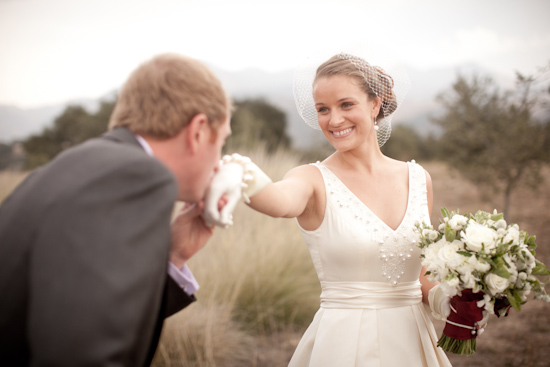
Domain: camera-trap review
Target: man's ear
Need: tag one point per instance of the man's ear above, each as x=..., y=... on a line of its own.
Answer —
x=196, y=132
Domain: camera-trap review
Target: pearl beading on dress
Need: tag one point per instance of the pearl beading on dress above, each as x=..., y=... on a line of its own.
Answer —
x=396, y=247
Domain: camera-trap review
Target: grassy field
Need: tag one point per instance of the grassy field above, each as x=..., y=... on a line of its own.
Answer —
x=259, y=290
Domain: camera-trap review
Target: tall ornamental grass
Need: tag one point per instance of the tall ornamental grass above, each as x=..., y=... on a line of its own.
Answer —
x=256, y=279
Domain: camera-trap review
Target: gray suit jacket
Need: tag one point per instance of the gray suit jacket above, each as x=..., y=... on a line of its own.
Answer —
x=84, y=247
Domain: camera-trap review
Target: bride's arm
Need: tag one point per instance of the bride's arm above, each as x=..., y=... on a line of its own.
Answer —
x=426, y=284
x=238, y=175
x=289, y=197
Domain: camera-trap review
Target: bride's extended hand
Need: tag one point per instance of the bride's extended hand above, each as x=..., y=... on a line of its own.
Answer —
x=227, y=184
x=237, y=177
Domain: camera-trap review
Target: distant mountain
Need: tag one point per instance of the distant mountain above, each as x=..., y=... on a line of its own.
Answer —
x=19, y=123
x=419, y=105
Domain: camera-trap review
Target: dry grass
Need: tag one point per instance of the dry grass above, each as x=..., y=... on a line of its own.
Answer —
x=259, y=290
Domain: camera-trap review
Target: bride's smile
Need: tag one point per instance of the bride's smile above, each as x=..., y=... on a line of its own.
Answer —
x=342, y=133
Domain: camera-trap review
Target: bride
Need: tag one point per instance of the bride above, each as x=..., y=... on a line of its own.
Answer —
x=356, y=210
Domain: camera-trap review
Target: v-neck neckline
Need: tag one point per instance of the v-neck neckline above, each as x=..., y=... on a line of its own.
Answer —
x=409, y=195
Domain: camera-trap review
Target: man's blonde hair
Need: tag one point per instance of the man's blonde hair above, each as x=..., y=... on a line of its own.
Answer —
x=162, y=96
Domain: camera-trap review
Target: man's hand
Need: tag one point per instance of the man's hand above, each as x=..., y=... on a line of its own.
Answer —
x=189, y=233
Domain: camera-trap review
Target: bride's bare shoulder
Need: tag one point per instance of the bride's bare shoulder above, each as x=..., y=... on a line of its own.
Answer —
x=306, y=172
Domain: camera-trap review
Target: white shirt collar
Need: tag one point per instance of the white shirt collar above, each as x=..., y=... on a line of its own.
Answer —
x=145, y=145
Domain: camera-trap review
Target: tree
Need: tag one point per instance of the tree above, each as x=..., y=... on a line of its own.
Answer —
x=254, y=122
x=493, y=137
x=72, y=127
x=404, y=144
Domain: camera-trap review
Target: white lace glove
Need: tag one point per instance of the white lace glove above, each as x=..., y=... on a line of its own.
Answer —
x=440, y=303
x=237, y=177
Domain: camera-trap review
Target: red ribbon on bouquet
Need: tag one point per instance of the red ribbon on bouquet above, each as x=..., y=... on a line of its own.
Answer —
x=502, y=307
x=467, y=314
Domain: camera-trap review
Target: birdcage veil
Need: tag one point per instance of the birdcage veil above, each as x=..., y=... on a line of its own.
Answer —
x=378, y=66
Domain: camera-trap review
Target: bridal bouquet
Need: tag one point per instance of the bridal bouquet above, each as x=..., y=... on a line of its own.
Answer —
x=486, y=262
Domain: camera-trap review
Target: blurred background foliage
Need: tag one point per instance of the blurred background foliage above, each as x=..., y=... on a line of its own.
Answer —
x=496, y=138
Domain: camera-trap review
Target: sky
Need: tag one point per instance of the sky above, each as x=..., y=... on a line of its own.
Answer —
x=52, y=51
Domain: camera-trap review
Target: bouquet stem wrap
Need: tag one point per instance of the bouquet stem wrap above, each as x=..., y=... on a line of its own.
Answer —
x=457, y=339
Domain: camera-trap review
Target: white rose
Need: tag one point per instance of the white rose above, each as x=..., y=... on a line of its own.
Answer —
x=456, y=260
x=476, y=235
x=447, y=252
x=441, y=227
x=495, y=283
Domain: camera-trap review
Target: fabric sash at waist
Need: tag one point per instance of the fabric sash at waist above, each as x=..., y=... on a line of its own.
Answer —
x=369, y=295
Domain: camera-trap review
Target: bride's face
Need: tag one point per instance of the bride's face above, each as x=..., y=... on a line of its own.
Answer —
x=344, y=111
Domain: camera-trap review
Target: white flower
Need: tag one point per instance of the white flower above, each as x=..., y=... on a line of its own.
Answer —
x=433, y=262
x=441, y=227
x=465, y=268
x=496, y=283
x=433, y=235
x=480, y=265
x=460, y=219
x=529, y=258
x=477, y=235
x=450, y=287
x=453, y=223
x=468, y=280
x=512, y=269
x=512, y=235
x=447, y=252
x=500, y=224
x=453, y=282
x=486, y=301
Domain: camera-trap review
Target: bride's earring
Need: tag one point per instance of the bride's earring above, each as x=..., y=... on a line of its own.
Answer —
x=376, y=127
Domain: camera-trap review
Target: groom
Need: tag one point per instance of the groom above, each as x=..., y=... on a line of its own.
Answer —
x=90, y=263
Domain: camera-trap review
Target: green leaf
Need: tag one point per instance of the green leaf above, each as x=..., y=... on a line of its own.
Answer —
x=445, y=213
x=497, y=217
x=540, y=268
x=465, y=253
x=500, y=268
x=514, y=299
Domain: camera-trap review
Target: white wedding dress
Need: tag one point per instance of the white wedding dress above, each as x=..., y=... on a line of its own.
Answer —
x=371, y=312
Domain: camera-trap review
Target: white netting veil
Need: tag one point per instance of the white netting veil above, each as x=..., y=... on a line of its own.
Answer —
x=386, y=79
